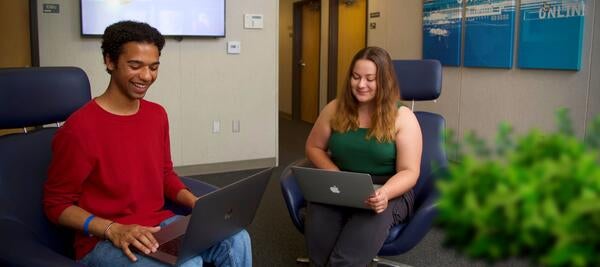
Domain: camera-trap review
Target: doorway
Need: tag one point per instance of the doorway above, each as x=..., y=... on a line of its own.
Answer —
x=305, y=60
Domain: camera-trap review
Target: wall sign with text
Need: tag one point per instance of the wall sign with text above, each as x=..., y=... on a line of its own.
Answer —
x=551, y=34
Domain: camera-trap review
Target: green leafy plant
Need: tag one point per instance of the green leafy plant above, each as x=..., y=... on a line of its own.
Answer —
x=536, y=196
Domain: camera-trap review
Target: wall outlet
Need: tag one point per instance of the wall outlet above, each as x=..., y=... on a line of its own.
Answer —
x=235, y=126
x=216, y=127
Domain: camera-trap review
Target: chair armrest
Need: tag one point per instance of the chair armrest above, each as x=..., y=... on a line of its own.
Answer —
x=294, y=200
x=197, y=187
x=418, y=226
x=19, y=247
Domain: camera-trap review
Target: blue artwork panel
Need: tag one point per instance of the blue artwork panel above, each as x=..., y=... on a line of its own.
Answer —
x=551, y=34
x=442, y=31
x=489, y=31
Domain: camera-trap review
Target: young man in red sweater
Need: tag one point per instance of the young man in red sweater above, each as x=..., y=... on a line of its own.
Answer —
x=111, y=165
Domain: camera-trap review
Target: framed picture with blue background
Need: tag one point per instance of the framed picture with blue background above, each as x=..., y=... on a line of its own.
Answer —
x=442, y=31
x=489, y=33
x=551, y=34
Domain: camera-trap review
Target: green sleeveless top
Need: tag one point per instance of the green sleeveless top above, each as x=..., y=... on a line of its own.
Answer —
x=351, y=151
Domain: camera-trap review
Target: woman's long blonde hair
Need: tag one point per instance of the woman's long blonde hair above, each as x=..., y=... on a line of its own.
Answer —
x=386, y=97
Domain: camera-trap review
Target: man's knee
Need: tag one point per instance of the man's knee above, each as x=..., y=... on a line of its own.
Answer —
x=241, y=239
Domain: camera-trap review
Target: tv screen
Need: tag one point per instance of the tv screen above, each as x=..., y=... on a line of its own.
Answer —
x=171, y=17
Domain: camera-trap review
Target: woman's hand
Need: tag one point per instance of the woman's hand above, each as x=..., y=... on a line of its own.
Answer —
x=122, y=236
x=378, y=201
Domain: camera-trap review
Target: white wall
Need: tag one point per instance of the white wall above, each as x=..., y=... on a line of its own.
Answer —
x=479, y=98
x=198, y=82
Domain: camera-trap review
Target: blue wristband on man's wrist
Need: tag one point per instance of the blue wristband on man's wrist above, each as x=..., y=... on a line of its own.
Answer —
x=86, y=225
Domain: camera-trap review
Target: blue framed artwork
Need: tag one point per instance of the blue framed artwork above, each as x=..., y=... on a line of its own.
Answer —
x=551, y=34
x=442, y=31
x=489, y=33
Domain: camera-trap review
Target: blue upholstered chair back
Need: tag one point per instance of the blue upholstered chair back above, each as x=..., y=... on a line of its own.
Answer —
x=33, y=97
x=421, y=80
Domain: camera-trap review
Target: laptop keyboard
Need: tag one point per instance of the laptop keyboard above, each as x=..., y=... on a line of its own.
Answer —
x=172, y=247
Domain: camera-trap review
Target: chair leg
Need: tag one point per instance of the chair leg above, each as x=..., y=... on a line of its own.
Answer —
x=302, y=260
x=378, y=261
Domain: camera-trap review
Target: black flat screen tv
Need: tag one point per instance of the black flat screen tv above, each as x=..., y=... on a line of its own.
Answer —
x=179, y=18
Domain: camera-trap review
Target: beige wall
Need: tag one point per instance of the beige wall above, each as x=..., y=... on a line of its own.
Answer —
x=594, y=88
x=398, y=29
x=198, y=82
x=479, y=98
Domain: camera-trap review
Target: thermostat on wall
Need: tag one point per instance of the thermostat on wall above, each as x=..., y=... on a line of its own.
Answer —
x=253, y=21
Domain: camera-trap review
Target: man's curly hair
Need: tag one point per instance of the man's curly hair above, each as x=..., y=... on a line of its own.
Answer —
x=117, y=34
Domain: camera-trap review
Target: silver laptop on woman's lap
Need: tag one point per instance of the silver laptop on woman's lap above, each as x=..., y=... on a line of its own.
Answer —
x=341, y=188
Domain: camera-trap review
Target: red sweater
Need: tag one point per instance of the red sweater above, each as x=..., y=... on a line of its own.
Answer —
x=115, y=167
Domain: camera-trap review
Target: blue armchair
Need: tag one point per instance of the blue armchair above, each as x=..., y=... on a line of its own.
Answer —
x=419, y=80
x=33, y=97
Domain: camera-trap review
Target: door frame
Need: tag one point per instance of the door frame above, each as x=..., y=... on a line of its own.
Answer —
x=296, y=56
x=33, y=34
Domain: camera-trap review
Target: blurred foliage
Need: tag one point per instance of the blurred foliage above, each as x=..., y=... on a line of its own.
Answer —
x=535, y=196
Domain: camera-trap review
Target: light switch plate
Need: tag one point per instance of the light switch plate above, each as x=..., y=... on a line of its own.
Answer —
x=234, y=47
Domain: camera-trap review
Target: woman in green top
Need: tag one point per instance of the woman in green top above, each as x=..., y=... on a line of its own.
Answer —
x=364, y=130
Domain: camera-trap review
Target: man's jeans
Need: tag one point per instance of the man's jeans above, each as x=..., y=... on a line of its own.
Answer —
x=234, y=251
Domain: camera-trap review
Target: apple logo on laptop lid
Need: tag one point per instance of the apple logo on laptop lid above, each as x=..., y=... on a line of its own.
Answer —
x=228, y=214
x=334, y=189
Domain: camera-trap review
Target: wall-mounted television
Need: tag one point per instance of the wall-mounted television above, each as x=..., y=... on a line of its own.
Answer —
x=179, y=18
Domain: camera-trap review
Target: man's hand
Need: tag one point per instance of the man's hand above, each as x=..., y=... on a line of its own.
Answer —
x=378, y=201
x=122, y=236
